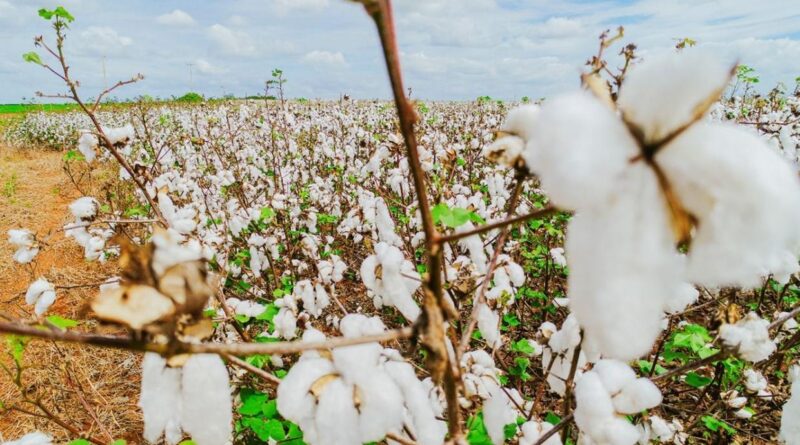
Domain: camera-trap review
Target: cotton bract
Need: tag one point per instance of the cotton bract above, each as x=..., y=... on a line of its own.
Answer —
x=633, y=178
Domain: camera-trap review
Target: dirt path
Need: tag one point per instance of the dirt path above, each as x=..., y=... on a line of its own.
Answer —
x=92, y=390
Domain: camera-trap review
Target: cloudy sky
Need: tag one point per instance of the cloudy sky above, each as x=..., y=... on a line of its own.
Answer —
x=451, y=49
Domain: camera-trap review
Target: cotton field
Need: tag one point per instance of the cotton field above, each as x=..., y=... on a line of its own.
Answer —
x=616, y=264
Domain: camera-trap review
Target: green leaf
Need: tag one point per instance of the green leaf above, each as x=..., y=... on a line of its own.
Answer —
x=252, y=402
x=119, y=442
x=696, y=380
x=714, y=424
x=32, y=57
x=523, y=346
x=80, y=442
x=73, y=155
x=61, y=322
x=64, y=14
x=188, y=442
x=16, y=346
x=46, y=14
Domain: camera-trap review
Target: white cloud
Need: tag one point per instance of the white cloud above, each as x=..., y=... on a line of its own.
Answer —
x=235, y=43
x=559, y=27
x=286, y=6
x=207, y=67
x=325, y=59
x=104, y=40
x=176, y=18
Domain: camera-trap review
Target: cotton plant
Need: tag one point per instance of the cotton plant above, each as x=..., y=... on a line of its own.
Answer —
x=391, y=280
x=604, y=396
x=25, y=243
x=356, y=394
x=480, y=375
x=647, y=175
x=314, y=296
x=192, y=399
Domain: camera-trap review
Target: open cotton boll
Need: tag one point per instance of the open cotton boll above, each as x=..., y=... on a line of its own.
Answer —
x=663, y=93
x=385, y=224
x=579, y=169
x=160, y=399
x=636, y=396
x=336, y=418
x=506, y=151
x=749, y=337
x=595, y=415
x=557, y=254
x=498, y=412
x=43, y=303
x=314, y=297
x=84, y=208
x=36, y=289
x=20, y=238
x=623, y=268
x=294, y=399
x=380, y=406
x=754, y=381
x=207, y=411
x=489, y=325
x=533, y=430
x=86, y=146
x=747, y=202
x=34, y=438
x=120, y=135
x=396, y=284
x=428, y=430
x=473, y=244
x=170, y=251
x=790, y=418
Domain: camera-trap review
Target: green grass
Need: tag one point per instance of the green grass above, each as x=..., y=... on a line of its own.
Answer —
x=26, y=108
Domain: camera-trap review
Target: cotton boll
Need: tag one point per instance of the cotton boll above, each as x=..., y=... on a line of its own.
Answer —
x=160, y=399
x=489, y=325
x=497, y=413
x=84, y=208
x=427, y=428
x=636, y=396
x=754, y=381
x=207, y=411
x=336, y=417
x=380, y=408
x=294, y=399
x=121, y=135
x=578, y=169
x=747, y=202
x=557, y=254
x=614, y=374
x=790, y=418
x=533, y=430
x=46, y=299
x=474, y=244
x=593, y=405
x=663, y=93
x=36, y=289
x=749, y=337
x=685, y=295
x=661, y=430
x=385, y=224
x=506, y=151
x=86, y=146
x=35, y=438
x=623, y=268
x=285, y=323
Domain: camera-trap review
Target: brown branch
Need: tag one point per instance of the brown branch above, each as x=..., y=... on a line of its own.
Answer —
x=238, y=349
x=252, y=369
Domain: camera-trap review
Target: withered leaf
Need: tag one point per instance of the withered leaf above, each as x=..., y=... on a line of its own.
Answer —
x=133, y=305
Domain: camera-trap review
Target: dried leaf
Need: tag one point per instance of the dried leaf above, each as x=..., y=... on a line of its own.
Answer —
x=134, y=305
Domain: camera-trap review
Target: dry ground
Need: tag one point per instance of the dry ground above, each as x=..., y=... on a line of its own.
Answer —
x=92, y=391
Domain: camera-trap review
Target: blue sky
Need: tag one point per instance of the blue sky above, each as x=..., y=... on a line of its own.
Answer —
x=451, y=49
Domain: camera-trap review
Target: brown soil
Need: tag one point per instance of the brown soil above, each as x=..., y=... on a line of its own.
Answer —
x=91, y=391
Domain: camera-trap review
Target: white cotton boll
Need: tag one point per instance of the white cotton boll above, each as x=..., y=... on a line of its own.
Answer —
x=294, y=399
x=614, y=374
x=489, y=325
x=662, y=93
x=385, y=224
x=685, y=295
x=169, y=251
x=427, y=428
x=506, y=150
x=255, y=261
x=121, y=135
x=749, y=337
x=579, y=169
x=36, y=289
x=497, y=413
x=84, y=208
x=285, y=324
x=396, y=285
x=593, y=404
x=381, y=406
x=743, y=414
x=533, y=430
x=207, y=411
x=623, y=268
x=474, y=244
x=160, y=399
x=557, y=254
x=336, y=416
x=516, y=274
x=636, y=396
x=790, y=418
x=754, y=381
x=46, y=299
x=20, y=238
x=25, y=255
x=747, y=202
x=520, y=121
x=86, y=146
x=661, y=430
x=34, y=438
